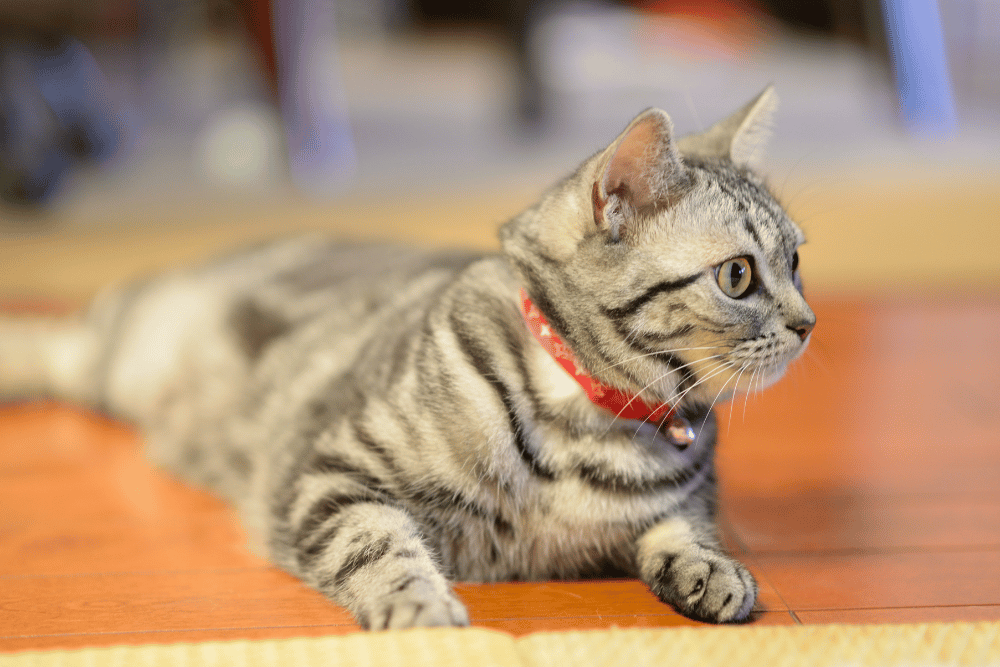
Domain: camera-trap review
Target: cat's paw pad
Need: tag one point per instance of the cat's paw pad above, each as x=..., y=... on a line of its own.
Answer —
x=706, y=585
x=420, y=605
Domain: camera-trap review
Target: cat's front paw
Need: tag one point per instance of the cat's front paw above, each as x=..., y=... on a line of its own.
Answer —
x=419, y=605
x=705, y=585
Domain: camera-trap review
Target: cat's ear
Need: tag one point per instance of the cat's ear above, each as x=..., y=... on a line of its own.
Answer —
x=740, y=137
x=639, y=171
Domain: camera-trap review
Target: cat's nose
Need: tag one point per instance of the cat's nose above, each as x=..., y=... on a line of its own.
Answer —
x=803, y=329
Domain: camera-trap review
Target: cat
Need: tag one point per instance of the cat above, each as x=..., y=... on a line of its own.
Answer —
x=387, y=420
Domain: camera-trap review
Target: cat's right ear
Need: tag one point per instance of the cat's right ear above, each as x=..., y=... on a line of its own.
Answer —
x=640, y=171
x=741, y=136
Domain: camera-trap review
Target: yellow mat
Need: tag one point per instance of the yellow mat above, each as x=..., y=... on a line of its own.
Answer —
x=923, y=645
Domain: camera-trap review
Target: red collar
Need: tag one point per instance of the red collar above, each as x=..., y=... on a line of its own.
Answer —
x=619, y=403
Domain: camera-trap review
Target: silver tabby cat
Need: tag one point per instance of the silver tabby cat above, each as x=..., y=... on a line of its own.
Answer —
x=385, y=422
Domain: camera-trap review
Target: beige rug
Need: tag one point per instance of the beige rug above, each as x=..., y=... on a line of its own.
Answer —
x=923, y=645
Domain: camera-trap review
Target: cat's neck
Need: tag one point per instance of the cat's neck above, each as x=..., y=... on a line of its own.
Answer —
x=621, y=404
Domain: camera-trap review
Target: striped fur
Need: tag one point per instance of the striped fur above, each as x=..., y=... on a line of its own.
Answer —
x=385, y=422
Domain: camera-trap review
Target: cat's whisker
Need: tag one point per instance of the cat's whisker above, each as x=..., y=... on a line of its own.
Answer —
x=723, y=389
x=651, y=354
x=658, y=379
x=677, y=399
x=746, y=396
x=760, y=381
x=634, y=333
x=736, y=387
x=675, y=403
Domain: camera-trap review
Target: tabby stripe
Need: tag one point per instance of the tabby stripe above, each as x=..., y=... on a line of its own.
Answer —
x=480, y=360
x=363, y=557
x=287, y=490
x=307, y=555
x=616, y=483
x=399, y=358
x=540, y=298
x=729, y=192
x=544, y=304
x=403, y=583
x=655, y=336
x=671, y=360
x=447, y=499
x=240, y=463
x=330, y=505
x=668, y=562
x=255, y=328
x=331, y=464
x=752, y=231
x=682, y=330
x=708, y=324
x=368, y=441
x=340, y=397
x=515, y=344
x=388, y=617
x=660, y=288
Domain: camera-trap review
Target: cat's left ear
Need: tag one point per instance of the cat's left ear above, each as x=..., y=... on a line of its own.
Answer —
x=740, y=137
x=639, y=171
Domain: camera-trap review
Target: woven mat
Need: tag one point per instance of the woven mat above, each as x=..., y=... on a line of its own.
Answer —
x=924, y=645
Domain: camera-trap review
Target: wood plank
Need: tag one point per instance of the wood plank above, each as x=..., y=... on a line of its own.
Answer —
x=201, y=541
x=902, y=615
x=813, y=581
x=851, y=519
x=149, y=602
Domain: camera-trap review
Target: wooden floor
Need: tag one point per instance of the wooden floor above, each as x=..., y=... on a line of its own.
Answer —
x=865, y=487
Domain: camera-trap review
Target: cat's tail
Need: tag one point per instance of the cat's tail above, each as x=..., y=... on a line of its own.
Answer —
x=55, y=357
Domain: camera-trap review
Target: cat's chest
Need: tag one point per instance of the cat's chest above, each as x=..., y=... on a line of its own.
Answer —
x=598, y=504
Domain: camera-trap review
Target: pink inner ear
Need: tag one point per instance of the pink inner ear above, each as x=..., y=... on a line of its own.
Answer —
x=631, y=171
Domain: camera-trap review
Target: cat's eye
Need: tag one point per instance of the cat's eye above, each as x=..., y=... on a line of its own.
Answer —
x=735, y=277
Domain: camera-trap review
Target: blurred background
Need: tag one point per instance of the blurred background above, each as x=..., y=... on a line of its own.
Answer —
x=140, y=134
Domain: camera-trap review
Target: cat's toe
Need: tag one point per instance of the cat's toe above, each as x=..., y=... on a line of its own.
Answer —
x=707, y=586
x=420, y=609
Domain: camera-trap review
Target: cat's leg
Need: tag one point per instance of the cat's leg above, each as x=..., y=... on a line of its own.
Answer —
x=682, y=562
x=370, y=557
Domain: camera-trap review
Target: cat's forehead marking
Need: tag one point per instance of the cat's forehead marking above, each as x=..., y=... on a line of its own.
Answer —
x=747, y=205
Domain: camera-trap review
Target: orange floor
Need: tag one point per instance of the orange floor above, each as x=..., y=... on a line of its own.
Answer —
x=863, y=488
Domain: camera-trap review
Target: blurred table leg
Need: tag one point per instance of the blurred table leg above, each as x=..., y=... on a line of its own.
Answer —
x=916, y=44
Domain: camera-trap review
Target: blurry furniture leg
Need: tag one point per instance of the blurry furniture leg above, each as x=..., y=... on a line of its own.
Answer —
x=313, y=103
x=916, y=44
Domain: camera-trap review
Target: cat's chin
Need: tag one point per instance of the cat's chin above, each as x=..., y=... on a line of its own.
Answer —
x=765, y=380
x=771, y=378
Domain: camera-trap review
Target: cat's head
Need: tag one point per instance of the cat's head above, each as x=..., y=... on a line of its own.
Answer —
x=666, y=265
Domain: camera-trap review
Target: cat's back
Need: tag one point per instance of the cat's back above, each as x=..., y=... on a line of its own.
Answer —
x=337, y=291
x=225, y=317
x=301, y=270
